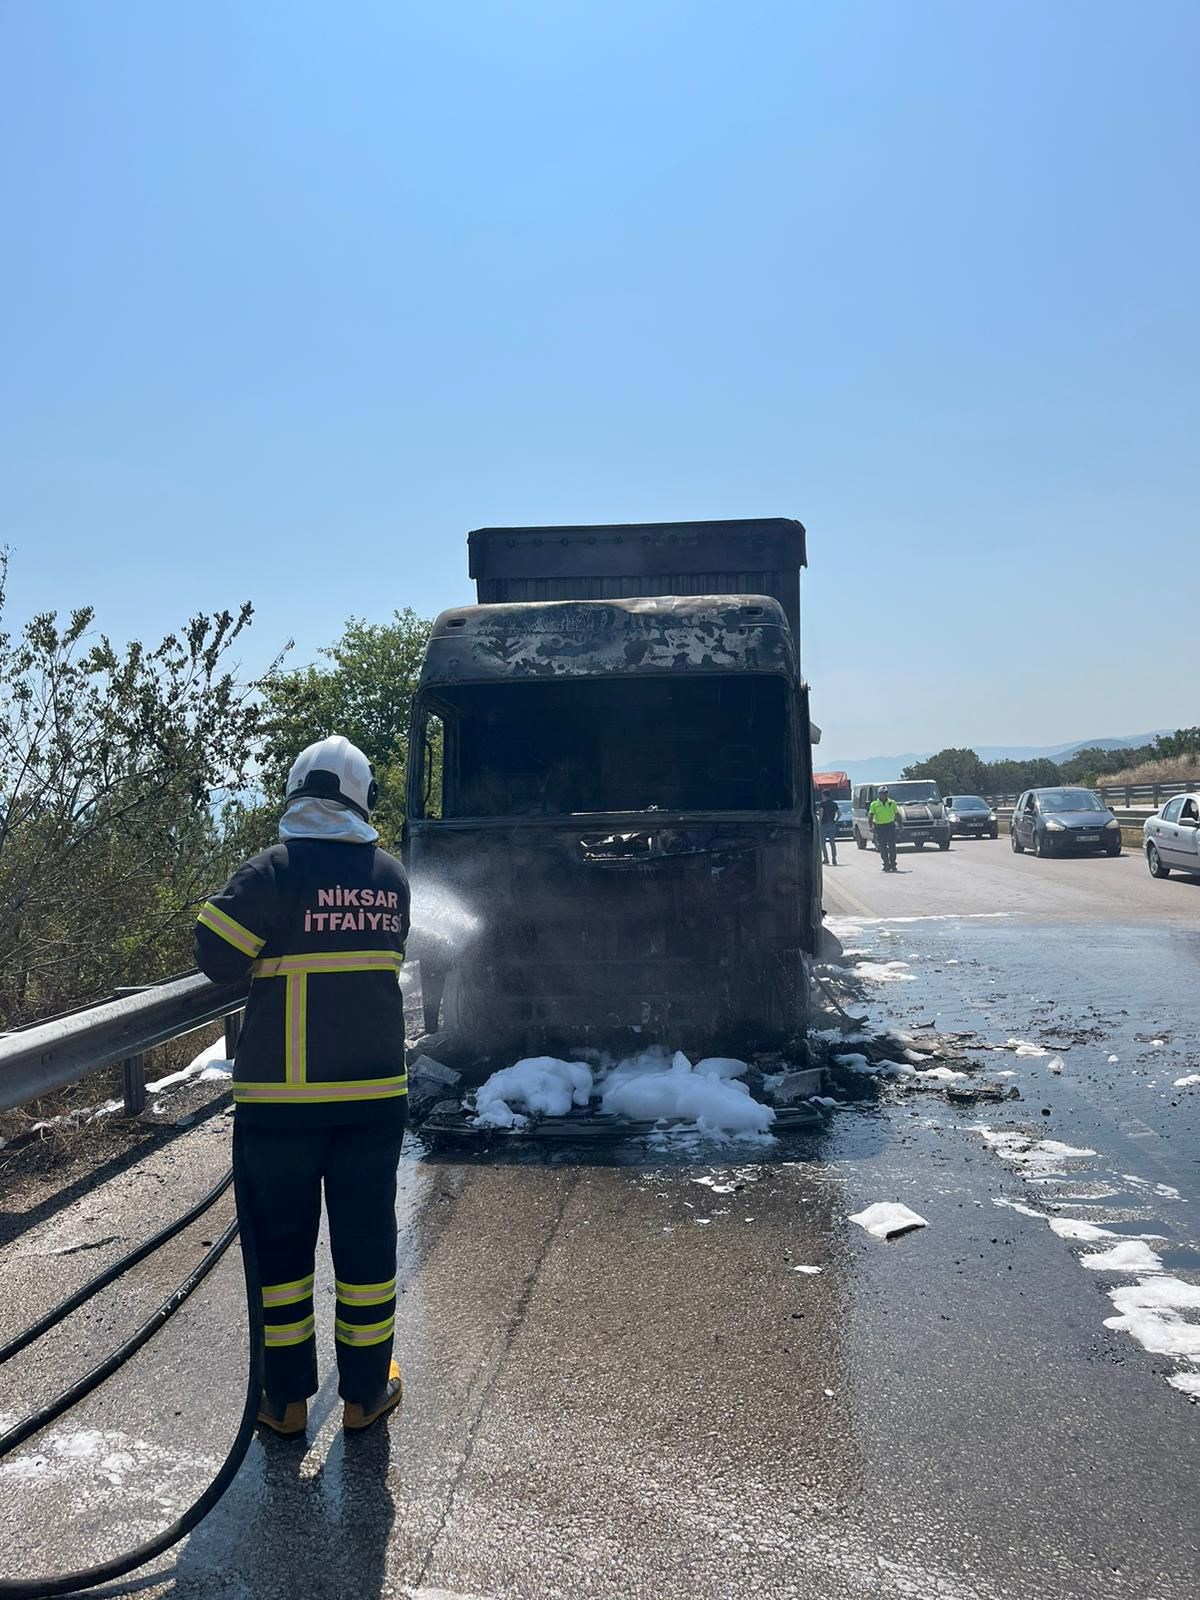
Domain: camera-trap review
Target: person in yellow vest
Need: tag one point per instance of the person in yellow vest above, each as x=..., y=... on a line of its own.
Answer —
x=883, y=812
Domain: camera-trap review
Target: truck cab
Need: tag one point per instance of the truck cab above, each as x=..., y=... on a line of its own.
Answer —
x=620, y=792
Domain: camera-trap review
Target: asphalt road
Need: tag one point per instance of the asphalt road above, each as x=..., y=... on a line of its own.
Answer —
x=617, y=1383
x=984, y=875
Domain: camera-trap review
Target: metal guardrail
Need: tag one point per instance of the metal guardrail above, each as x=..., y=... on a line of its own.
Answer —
x=46, y=1056
x=1127, y=818
x=1146, y=796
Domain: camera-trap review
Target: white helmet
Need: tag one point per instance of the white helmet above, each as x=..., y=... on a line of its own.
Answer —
x=334, y=769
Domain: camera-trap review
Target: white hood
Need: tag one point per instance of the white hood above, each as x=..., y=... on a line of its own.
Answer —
x=313, y=818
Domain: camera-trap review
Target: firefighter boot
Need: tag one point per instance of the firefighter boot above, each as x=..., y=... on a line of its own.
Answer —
x=356, y=1417
x=287, y=1418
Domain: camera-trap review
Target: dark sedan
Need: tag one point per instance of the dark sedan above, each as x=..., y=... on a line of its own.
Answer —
x=845, y=821
x=970, y=814
x=1052, y=821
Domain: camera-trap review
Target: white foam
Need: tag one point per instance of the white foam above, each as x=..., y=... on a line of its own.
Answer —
x=853, y=1062
x=1080, y=1231
x=1024, y=1047
x=1186, y=1083
x=721, y=1067
x=885, y=972
x=1016, y=1205
x=540, y=1085
x=1149, y=1311
x=1188, y=1382
x=643, y=1090
x=212, y=1062
x=1129, y=1255
x=1034, y=1156
x=811, y=1271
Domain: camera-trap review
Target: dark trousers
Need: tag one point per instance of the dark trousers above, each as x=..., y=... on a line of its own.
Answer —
x=284, y=1170
x=829, y=841
x=885, y=840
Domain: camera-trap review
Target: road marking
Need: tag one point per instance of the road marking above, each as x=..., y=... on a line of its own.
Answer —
x=840, y=892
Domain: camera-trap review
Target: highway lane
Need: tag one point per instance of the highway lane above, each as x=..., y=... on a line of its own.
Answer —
x=618, y=1385
x=977, y=875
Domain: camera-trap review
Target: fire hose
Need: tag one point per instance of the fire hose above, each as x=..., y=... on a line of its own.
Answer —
x=107, y=1571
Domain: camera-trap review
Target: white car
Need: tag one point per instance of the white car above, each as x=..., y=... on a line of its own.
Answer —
x=1172, y=836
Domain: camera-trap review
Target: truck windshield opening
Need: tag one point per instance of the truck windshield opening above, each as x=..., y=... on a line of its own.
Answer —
x=569, y=746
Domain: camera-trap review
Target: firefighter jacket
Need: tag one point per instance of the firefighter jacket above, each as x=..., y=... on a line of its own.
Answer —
x=319, y=926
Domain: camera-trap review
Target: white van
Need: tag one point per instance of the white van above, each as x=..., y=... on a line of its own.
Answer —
x=922, y=819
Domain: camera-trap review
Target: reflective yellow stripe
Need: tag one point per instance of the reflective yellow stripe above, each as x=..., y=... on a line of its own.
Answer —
x=329, y=961
x=365, y=1294
x=281, y=1333
x=245, y=1092
x=220, y=922
x=363, y=1333
x=295, y=1050
x=286, y=1294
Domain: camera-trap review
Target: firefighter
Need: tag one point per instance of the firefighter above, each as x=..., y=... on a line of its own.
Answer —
x=319, y=924
x=883, y=813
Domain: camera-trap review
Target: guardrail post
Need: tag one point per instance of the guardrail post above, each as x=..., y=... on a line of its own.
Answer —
x=133, y=1084
x=233, y=1032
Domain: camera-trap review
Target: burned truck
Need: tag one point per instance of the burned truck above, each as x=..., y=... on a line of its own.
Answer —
x=610, y=768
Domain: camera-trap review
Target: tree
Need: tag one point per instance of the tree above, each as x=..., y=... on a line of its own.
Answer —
x=1089, y=766
x=115, y=768
x=366, y=693
x=1169, y=746
x=954, y=771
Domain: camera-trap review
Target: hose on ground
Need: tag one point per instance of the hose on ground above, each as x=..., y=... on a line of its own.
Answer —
x=82, y=1387
x=110, y=1274
x=107, y=1571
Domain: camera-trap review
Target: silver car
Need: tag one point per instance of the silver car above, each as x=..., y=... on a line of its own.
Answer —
x=1172, y=836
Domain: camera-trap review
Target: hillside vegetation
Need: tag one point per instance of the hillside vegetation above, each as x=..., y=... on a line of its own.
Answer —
x=134, y=778
x=1172, y=757
x=1168, y=769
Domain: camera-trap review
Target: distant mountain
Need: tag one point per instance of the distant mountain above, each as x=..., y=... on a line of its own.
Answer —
x=875, y=768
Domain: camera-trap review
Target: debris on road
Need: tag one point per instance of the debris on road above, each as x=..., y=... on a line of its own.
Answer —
x=429, y=1081
x=888, y=1218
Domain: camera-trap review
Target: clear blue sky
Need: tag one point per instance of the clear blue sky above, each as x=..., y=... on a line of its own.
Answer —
x=293, y=295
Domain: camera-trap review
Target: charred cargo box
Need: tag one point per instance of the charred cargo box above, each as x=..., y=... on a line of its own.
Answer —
x=622, y=561
x=620, y=790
